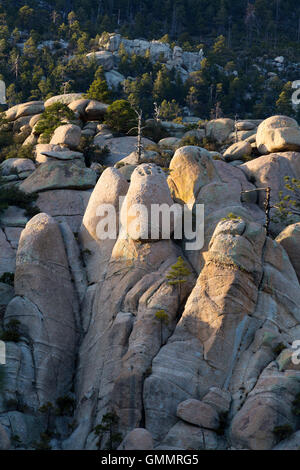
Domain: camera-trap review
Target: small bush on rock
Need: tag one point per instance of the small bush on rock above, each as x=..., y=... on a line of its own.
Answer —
x=283, y=432
x=13, y=196
x=92, y=153
x=231, y=216
x=296, y=405
x=190, y=140
x=11, y=332
x=65, y=406
x=108, y=428
x=7, y=278
x=54, y=116
x=18, y=151
x=288, y=207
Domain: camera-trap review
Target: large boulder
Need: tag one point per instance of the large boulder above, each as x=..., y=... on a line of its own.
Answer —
x=46, y=307
x=14, y=216
x=289, y=238
x=65, y=205
x=196, y=412
x=267, y=408
x=109, y=188
x=78, y=106
x=246, y=125
x=7, y=255
x=278, y=134
x=95, y=110
x=191, y=168
x=17, y=166
x=148, y=186
x=68, y=135
x=119, y=147
x=169, y=142
x=185, y=436
x=24, y=109
x=238, y=151
x=41, y=151
x=62, y=154
x=173, y=129
x=219, y=129
x=65, y=99
x=114, y=79
x=270, y=171
x=137, y=439
x=59, y=175
x=104, y=59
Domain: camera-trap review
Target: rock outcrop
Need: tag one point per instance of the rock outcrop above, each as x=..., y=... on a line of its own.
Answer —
x=42, y=364
x=110, y=319
x=278, y=134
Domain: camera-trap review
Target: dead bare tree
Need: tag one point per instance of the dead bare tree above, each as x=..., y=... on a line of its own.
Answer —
x=139, y=128
x=235, y=128
x=16, y=66
x=156, y=112
x=54, y=16
x=267, y=203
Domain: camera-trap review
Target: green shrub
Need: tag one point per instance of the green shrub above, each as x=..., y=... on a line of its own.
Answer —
x=120, y=117
x=154, y=130
x=53, y=117
x=44, y=443
x=18, y=151
x=223, y=417
x=92, y=153
x=231, y=216
x=108, y=427
x=279, y=348
x=99, y=90
x=13, y=196
x=283, y=432
x=8, y=278
x=210, y=144
x=16, y=441
x=190, y=140
x=296, y=405
x=178, y=274
x=11, y=332
x=169, y=110
x=65, y=406
x=288, y=207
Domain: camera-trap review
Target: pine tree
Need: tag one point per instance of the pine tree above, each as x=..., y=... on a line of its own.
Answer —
x=99, y=90
x=284, y=102
x=178, y=274
x=108, y=426
x=162, y=86
x=163, y=318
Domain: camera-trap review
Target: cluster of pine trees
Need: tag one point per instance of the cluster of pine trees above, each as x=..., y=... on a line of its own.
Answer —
x=232, y=33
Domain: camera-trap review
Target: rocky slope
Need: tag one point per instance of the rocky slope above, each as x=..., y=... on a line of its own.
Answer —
x=219, y=374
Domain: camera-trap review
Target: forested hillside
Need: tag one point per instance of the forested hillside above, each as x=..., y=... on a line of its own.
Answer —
x=43, y=47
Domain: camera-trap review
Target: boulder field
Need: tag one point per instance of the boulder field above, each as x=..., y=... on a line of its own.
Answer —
x=96, y=331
